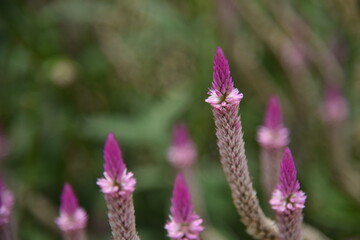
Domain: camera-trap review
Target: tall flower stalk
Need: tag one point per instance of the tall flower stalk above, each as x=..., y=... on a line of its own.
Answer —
x=225, y=101
x=118, y=186
x=288, y=201
x=72, y=220
x=273, y=137
x=184, y=223
x=6, y=205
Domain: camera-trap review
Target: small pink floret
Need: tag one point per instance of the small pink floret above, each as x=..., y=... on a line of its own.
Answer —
x=123, y=185
x=186, y=230
x=283, y=203
x=219, y=100
x=273, y=138
x=72, y=222
x=6, y=204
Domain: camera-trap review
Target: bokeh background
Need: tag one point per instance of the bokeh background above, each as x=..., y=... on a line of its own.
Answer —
x=74, y=70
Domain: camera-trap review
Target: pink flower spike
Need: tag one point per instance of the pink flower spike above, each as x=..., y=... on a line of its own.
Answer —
x=182, y=152
x=113, y=165
x=273, y=116
x=6, y=203
x=116, y=178
x=287, y=195
x=184, y=223
x=273, y=134
x=335, y=107
x=69, y=202
x=222, y=92
x=72, y=218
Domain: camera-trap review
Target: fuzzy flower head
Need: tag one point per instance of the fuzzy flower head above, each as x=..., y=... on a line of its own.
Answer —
x=287, y=195
x=222, y=92
x=184, y=224
x=6, y=203
x=116, y=178
x=273, y=134
x=182, y=152
x=334, y=108
x=72, y=217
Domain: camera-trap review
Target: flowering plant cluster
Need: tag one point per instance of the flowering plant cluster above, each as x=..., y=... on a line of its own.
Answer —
x=280, y=183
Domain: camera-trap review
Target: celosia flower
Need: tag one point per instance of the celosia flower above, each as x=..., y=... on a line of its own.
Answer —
x=287, y=195
x=288, y=201
x=6, y=203
x=334, y=108
x=225, y=101
x=72, y=217
x=182, y=152
x=222, y=92
x=116, y=178
x=184, y=223
x=118, y=186
x=273, y=134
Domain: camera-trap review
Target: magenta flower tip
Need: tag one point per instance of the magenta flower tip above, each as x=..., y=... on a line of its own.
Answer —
x=181, y=200
x=287, y=195
x=69, y=202
x=72, y=217
x=184, y=223
x=114, y=165
x=273, y=116
x=273, y=134
x=6, y=203
x=116, y=178
x=182, y=152
x=335, y=107
x=222, y=92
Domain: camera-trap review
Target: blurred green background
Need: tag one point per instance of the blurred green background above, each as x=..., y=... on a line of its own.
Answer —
x=73, y=70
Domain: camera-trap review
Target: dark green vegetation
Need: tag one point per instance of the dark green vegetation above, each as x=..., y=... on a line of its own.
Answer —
x=73, y=70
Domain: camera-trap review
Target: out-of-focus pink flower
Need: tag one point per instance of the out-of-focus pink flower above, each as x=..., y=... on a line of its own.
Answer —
x=6, y=203
x=273, y=134
x=184, y=223
x=116, y=178
x=182, y=152
x=72, y=217
x=222, y=92
x=335, y=107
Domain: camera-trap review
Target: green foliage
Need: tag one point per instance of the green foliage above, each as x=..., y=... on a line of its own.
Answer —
x=72, y=71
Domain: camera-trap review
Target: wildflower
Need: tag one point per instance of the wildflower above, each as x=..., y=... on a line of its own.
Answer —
x=222, y=92
x=184, y=223
x=72, y=219
x=182, y=152
x=225, y=100
x=118, y=185
x=288, y=201
x=334, y=108
x=273, y=134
